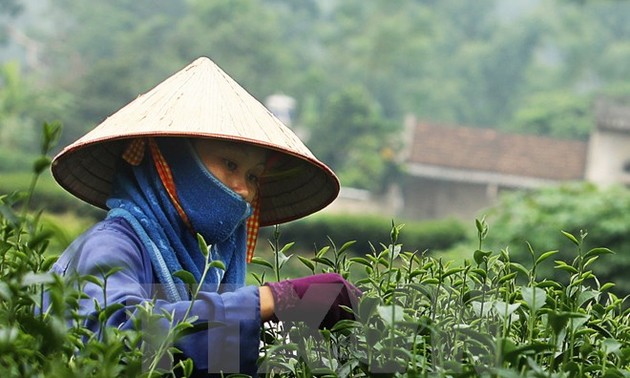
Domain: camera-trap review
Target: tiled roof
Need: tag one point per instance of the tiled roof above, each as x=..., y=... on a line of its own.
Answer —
x=488, y=150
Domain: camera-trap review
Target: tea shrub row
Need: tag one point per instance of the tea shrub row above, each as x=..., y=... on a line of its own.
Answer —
x=317, y=231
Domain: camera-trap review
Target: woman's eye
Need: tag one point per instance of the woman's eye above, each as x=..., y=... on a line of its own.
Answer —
x=229, y=164
x=253, y=179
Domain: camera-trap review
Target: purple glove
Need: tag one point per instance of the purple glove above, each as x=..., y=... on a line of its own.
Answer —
x=314, y=299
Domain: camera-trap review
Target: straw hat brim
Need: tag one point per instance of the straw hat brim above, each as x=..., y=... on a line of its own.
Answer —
x=201, y=101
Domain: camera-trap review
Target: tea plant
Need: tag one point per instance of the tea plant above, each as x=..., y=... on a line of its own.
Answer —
x=420, y=316
x=53, y=341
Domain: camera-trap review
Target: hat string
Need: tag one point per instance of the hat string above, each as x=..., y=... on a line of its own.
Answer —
x=164, y=171
x=252, y=228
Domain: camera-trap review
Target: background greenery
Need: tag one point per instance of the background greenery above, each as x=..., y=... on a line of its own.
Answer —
x=536, y=219
x=355, y=67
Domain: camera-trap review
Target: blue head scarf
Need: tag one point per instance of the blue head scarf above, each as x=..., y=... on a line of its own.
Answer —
x=215, y=212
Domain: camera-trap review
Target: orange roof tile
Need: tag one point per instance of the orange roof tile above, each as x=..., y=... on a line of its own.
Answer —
x=489, y=150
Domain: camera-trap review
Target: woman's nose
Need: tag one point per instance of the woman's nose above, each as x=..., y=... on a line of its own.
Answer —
x=240, y=187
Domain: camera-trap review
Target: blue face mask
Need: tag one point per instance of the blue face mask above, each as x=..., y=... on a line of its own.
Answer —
x=214, y=210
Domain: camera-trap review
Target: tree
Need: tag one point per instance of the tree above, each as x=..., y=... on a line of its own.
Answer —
x=558, y=114
x=353, y=138
x=241, y=36
x=103, y=54
x=17, y=128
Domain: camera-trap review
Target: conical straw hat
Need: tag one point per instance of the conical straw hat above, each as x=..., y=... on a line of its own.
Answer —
x=201, y=101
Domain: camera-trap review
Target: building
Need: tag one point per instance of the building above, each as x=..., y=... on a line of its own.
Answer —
x=455, y=171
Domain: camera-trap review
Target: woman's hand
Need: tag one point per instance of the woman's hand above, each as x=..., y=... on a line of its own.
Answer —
x=266, y=303
x=316, y=300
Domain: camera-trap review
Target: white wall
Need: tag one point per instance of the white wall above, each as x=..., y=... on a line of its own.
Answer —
x=608, y=152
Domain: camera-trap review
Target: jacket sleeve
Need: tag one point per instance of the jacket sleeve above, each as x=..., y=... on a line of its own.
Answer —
x=230, y=342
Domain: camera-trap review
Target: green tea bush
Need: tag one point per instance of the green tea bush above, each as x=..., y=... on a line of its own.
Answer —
x=49, y=194
x=52, y=341
x=535, y=218
x=318, y=231
x=422, y=317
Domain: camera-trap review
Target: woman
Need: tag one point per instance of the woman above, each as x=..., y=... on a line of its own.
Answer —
x=197, y=156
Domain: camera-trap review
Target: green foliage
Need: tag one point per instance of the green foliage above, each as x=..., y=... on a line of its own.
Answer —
x=317, y=231
x=14, y=161
x=49, y=338
x=22, y=108
x=560, y=115
x=245, y=37
x=362, y=152
x=421, y=316
x=49, y=194
x=17, y=131
x=537, y=217
x=490, y=63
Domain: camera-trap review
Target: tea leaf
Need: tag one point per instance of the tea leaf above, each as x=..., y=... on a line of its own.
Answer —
x=41, y=164
x=535, y=348
x=519, y=268
x=545, y=256
x=361, y=260
x=322, y=251
x=345, y=325
x=346, y=246
x=217, y=264
x=203, y=246
x=481, y=256
x=367, y=307
x=548, y=283
x=480, y=272
x=286, y=247
x=260, y=261
x=186, y=277
x=187, y=366
x=507, y=277
x=586, y=295
x=571, y=237
x=109, y=311
x=452, y=271
x=391, y=314
x=430, y=281
x=534, y=297
x=282, y=259
x=307, y=262
x=561, y=265
x=598, y=252
x=611, y=345
x=505, y=309
x=324, y=260
x=558, y=320
x=93, y=279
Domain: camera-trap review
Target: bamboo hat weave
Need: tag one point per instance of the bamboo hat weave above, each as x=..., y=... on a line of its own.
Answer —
x=201, y=101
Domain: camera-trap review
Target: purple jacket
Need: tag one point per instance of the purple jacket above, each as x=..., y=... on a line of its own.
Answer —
x=229, y=347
